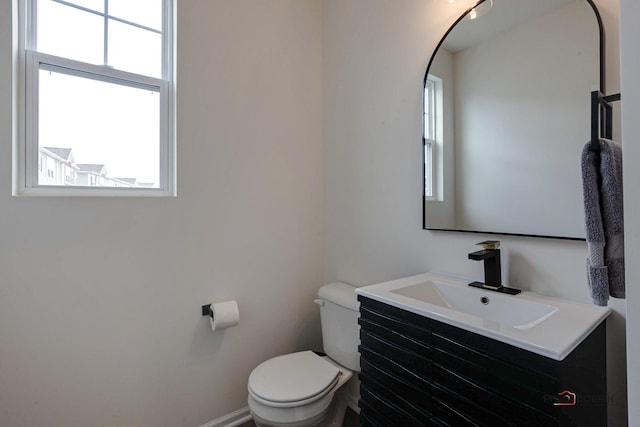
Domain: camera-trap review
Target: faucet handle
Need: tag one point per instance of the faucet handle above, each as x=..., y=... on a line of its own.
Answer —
x=490, y=244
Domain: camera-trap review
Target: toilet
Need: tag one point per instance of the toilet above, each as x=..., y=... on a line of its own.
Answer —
x=305, y=388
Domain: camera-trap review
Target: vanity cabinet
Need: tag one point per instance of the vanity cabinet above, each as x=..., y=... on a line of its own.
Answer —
x=416, y=371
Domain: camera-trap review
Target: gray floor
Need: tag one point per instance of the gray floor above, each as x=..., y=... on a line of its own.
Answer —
x=351, y=419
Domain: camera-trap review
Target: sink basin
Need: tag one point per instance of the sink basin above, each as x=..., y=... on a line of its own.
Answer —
x=551, y=327
x=499, y=308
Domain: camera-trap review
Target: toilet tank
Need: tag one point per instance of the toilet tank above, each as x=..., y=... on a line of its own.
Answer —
x=339, y=312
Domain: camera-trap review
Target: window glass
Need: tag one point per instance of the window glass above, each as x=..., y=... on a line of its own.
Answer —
x=142, y=12
x=112, y=130
x=97, y=5
x=429, y=131
x=70, y=33
x=134, y=49
x=428, y=171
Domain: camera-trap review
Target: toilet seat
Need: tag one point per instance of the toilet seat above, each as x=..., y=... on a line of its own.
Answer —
x=293, y=380
x=316, y=409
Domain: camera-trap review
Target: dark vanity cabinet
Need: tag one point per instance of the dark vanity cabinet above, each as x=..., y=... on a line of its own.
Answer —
x=416, y=371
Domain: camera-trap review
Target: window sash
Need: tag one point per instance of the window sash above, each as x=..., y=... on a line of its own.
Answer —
x=428, y=167
x=38, y=61
x=166, y=32
x=429, y=122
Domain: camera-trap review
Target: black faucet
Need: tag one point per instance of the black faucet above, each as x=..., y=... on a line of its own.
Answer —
x=490, y=254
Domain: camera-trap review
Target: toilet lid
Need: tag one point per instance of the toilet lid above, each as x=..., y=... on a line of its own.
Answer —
x=293, y=377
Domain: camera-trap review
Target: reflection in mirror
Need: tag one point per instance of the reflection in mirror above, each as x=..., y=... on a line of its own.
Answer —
x=506, y=114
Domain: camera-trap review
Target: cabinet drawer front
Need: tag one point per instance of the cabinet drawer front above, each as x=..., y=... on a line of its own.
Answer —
x=415, y=394
x=393, y=368
x=448, y=406
x=393, y=313
x=410, y=402
x=502, y=378
x=496, y=349
x=393, y=321
x=393, y=348
x=449, y=415
x=397, y=337
x=488, y=401
x=383, y=369
x=370, y=415
x=386, y=412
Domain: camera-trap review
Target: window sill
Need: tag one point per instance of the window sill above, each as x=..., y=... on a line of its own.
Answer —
x=61, y=191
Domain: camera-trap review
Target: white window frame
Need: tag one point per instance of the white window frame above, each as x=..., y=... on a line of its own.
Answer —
x=432, y=138
x=27, y=150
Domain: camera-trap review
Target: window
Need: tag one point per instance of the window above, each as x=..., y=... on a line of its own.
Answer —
x=432, y=137
x=99, y=97
x=429, y=136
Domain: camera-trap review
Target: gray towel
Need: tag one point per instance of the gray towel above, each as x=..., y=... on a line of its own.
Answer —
x=602, y=190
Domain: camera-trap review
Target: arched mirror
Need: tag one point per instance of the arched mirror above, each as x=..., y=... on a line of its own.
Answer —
x=506, y=114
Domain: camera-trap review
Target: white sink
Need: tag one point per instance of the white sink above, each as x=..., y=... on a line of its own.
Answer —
x=547, y=326
x=501, y=308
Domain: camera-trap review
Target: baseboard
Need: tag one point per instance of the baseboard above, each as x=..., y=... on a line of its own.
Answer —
x=233, y=419
x=243, y=415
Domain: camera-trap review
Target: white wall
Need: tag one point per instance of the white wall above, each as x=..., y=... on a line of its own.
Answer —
x=100, y=321
x=375, y=56
x=630, y=68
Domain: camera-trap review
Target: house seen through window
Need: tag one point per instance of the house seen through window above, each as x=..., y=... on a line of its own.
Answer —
x=98, y=96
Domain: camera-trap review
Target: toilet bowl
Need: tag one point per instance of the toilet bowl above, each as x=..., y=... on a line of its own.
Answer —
x=297, y=389
x=304, y=388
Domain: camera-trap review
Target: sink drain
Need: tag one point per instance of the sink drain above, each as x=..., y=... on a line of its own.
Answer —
x=484, y=300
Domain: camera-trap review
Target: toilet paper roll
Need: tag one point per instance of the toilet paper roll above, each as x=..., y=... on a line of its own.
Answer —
x=225, y=315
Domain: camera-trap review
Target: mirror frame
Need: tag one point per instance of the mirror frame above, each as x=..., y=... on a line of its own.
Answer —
x=602, y=81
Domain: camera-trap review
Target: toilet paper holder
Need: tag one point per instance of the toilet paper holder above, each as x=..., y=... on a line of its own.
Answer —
x=206, y=310
x=222, y=315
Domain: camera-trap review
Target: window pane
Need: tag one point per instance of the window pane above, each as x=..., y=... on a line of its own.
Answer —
x=97, y=5
x=134, y=49
x=141, y=12
x=429, y=131
x=428, y=171
x=94, y=133
x=427, y=99
x=69, y=32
